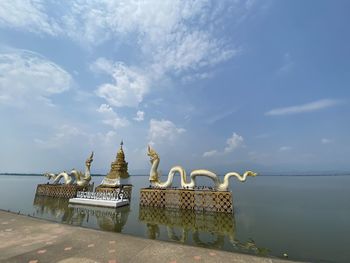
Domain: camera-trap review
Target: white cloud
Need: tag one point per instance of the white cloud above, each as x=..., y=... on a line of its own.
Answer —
x=308, y=107
x=220, y=116
x=106, y=109
x=285, y=148
x=196, y=76
x=102, y=65
x=263, y=136
x=129, y=85
x=140, y=115
x=163, y=130
x=117, y=122
x=108, y=138
x=25, y=76
x=63, y=135
x=157, y=24
x=191, y=51
x=73, y=138
x=288, y=64
x=232, y=143
x=210, y=153
x=168, y=41
x=111, y=118
x=27, y=15
x=250, y=3
x=326, y=141
x=172, y=37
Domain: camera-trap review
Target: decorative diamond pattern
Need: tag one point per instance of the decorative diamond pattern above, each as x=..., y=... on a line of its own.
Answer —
x=202, y=200
x=60, y=190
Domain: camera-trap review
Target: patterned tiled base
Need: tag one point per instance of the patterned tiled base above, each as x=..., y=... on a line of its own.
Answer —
x=60, y=190
x=199, y=200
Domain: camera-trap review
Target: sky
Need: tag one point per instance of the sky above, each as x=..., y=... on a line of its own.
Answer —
x=221, y=85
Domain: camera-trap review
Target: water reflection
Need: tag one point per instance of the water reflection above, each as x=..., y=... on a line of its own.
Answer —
x=198, y=228
x=59, y=209
x=294, y=224
x=182, y=224
x=109, y=219
x=205, y=229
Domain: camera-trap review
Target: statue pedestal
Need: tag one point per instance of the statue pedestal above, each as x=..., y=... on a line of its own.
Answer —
x=199, y=200
x=99, y=202
x=107, y=182
x=61, y=190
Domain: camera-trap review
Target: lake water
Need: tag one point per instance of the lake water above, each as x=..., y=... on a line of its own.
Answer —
x=306, y=217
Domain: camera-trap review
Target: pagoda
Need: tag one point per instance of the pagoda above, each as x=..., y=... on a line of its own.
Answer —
x=119, y=168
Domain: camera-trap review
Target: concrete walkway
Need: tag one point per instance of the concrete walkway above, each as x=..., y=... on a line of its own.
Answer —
x=26, y=239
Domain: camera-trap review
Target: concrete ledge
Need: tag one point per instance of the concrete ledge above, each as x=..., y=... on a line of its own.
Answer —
x=26, y=239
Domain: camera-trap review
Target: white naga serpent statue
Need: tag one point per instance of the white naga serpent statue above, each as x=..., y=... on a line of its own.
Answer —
x=80, y=178
x=218, y=186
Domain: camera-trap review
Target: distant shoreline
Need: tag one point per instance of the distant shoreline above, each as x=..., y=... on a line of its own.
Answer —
x=35, y=174
x=100, y=175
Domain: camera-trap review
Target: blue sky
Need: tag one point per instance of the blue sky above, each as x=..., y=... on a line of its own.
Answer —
x=220, y=85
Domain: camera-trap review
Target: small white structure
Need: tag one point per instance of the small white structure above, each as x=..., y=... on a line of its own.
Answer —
x=115, y=199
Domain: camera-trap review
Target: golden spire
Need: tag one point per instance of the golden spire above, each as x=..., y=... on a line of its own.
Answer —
x=119, y=168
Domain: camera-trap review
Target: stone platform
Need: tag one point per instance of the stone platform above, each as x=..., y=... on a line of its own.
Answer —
x=199, y=200
x=61, y=190
x=96, y=202
x=105, y=199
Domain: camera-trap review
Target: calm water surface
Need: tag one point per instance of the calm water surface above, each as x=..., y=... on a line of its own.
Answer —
x=307, y=217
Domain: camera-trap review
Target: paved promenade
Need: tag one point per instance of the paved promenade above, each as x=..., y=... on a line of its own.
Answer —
x=26, y=239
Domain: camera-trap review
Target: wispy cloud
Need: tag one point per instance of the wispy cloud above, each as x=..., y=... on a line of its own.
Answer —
x=326, y=141
x=111, y=118
x=26, y=75
x=288, y=64
x=222, y=115
x=176, y=37
x=140, y=115
x=308, y=107
x=232, y=143
x=27, y=15
x=285, y=148
x=66, y=135
x=129, y=87
x=163, y=130
x=211, y=153
x=263, y=136
x=168, y=45
x=63, y=135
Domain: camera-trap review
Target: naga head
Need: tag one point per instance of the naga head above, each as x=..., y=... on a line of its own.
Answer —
x=152, y=154
x=154, y=175
x=89, y=160
x=251, y=173
x=48, y=175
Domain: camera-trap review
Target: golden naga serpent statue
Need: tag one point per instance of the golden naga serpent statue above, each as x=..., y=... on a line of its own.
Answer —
x=80, y=178
x=218, y=186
